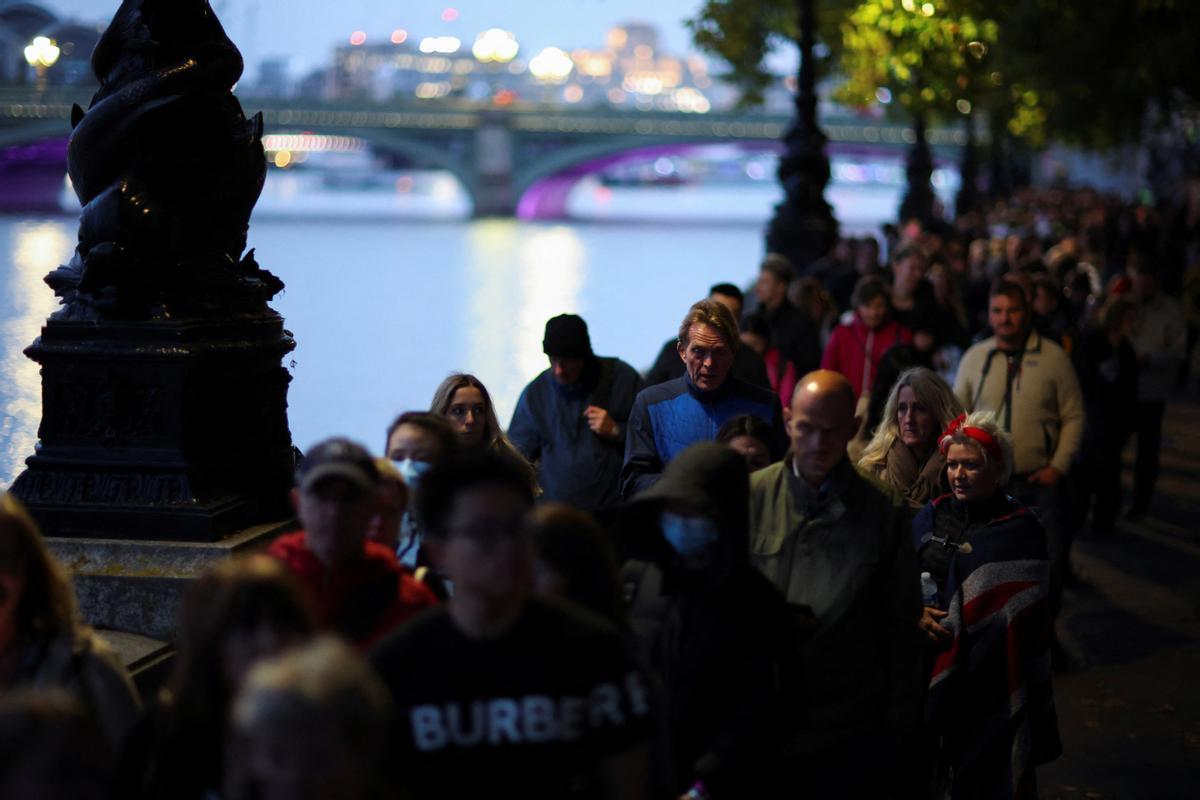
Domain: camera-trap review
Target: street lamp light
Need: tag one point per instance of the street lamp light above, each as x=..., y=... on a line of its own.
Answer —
x=552, y=65
x=495, y=45
x=41, y=54
x=803, y=228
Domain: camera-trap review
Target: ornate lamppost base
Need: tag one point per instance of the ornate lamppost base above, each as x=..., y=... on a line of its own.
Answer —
x=162, y=429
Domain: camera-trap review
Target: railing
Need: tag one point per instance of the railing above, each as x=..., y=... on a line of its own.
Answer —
x=24, y=103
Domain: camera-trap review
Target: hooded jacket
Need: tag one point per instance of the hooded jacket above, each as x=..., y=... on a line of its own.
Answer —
x=716, y=635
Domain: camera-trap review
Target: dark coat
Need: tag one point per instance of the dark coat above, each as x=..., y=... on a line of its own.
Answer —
x=575, y=465
x=716, y=635
x=796, y=335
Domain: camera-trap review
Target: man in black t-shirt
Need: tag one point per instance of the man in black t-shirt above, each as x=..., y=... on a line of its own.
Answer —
x=497, y=692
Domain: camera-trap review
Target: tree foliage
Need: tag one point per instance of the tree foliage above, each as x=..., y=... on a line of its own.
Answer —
x=742, y=33
x=932, y=59
x=1091, y=72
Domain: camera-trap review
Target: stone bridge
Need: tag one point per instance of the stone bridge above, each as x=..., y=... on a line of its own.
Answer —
x=509, y=160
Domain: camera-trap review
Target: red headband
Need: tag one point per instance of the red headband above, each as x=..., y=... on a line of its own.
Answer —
x=985, y=439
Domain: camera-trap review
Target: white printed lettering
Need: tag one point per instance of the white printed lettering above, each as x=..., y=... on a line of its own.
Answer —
x=571, y=718
x=636, y=690
x=468, y=738
x=538, y=715
x=428, y=731
x=502, y=721
x=606, y=702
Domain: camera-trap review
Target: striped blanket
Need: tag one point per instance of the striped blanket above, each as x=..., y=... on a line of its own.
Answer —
x=990, y=699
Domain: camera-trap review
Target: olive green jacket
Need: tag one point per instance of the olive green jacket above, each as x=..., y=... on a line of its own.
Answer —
x=845, y=553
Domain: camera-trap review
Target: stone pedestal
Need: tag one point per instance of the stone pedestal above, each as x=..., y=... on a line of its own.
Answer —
x=168, y=428
x=138, y=586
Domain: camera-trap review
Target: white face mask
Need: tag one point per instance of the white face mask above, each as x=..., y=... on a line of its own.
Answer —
x=411, y=471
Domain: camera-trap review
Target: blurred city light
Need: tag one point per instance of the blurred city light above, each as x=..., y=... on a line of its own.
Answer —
x=358, y=37
x=449, y=14
x=551, y=65
x=399, y=36
x=440, y=44
x=42, y=52
x=495, y=45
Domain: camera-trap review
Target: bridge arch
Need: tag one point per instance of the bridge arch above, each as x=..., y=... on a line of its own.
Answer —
x=544, y=185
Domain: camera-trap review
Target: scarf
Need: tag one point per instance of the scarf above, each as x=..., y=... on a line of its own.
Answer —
x=918, y=483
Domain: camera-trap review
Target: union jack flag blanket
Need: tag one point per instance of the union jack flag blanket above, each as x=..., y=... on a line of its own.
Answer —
x=990, y=701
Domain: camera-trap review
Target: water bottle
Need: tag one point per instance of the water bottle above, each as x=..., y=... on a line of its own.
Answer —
x=929, y=590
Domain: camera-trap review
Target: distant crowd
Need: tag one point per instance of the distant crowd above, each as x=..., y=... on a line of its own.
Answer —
x=817, y=549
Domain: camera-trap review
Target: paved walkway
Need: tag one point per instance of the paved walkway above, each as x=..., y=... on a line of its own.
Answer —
x=1129, y=708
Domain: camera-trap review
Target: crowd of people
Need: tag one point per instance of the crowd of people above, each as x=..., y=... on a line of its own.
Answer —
x=818, y=550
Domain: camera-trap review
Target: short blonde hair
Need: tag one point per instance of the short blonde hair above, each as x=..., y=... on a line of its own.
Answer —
x=986, y=422
x=716, y=316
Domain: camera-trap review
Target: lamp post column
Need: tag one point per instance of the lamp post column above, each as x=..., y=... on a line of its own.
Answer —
x=803, y=228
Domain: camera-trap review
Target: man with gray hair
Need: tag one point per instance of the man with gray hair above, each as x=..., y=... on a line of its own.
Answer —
x=670, y=416
x=839, y=549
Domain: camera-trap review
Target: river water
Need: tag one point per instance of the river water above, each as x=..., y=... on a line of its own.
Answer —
x=383, y=309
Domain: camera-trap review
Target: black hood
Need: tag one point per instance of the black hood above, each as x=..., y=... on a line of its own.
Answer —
x=709, y=477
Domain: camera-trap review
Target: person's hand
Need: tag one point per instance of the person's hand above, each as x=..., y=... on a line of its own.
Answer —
x=601, y=423
x=929, y=623
x=1046, y=476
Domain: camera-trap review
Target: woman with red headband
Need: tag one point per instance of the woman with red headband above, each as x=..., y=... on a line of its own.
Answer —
x=990, y=707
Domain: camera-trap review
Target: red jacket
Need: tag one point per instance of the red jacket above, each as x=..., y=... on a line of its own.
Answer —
x=783, y=381
x=853, y=342
x=362, y=601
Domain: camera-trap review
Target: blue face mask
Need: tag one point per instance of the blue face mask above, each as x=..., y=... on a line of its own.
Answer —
x=411, y=471
x=690, y=536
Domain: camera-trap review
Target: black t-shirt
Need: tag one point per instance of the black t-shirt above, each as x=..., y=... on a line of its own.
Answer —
x=528, y=715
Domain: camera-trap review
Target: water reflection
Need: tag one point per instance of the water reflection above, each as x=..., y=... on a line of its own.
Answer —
x=32, y=249
x=519, y=276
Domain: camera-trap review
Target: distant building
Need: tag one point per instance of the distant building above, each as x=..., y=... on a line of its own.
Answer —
x=627, y=72
x=274, y=79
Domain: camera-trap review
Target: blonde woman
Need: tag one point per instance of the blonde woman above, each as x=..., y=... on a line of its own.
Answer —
x=904, y=450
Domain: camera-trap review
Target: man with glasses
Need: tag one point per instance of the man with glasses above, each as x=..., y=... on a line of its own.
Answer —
x=669, y=417
x=500, y=692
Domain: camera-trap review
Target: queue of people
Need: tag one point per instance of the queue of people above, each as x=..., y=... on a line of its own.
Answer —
x=806, y=554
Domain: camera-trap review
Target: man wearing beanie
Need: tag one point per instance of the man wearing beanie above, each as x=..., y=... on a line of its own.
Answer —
x=570, y=420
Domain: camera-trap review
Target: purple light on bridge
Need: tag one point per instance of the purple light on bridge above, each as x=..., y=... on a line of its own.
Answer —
x=31, y=176
x=547, y=198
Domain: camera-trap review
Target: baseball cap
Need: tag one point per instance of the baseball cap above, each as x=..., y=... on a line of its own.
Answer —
x=337, y=458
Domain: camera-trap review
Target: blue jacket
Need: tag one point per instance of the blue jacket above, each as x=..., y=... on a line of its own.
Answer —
x=575, y=465
x=670, y=416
